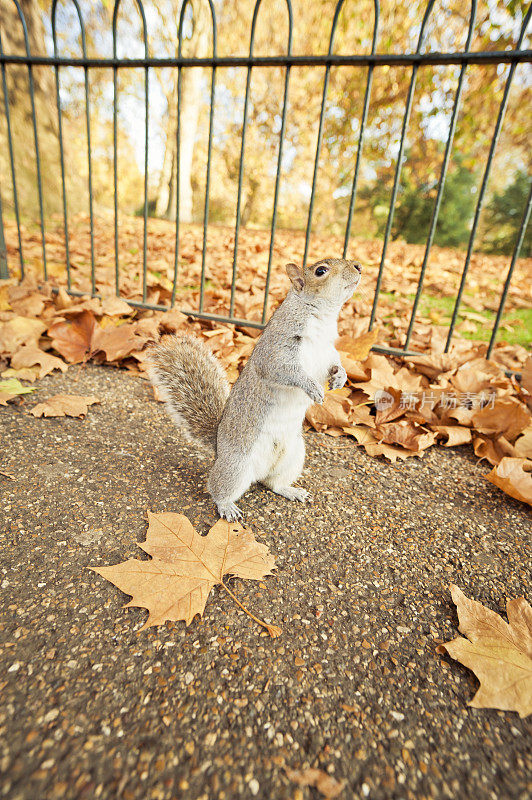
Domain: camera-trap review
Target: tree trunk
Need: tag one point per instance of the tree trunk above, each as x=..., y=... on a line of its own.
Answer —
x=21, y=113
x=191, y=83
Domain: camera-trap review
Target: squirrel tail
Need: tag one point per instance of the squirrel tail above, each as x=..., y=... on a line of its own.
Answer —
x=193, y=383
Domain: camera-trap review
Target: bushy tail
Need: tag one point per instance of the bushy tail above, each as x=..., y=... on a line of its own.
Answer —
x=193, y=384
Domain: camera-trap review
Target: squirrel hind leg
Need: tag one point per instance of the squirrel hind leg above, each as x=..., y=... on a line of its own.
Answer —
x=226, y=483
x=286, y=470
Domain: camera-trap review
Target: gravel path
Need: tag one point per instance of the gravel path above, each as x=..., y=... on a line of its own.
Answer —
x=92, y=709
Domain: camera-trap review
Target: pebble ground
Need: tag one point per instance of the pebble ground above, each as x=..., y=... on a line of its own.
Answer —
x=91, y=708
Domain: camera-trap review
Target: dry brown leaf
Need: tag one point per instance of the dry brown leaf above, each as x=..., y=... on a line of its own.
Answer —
x=28, y=355
x=73, y=339
x=394, y=410
x=513, y=476
x=19, y=330
x=523, y=445
x=175, y=583
x=405, y=434
x=30, y=374
x=507, y=417
x=493, y=450
x=359, y=348
x=454, y=434
x=116, y=307
x=64, y=405
x=500, y=654
x=117, y=343
x=354, y=370
x=526, y=375
x=333, y=412
x=328, y=786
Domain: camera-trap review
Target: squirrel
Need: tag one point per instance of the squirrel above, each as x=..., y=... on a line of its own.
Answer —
x=255, y=428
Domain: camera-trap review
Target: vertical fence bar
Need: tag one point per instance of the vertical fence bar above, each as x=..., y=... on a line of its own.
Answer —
x=515, y=256
x=146, y=141
x=140, y=8
x=399, y=165
x=242, y=155
x=12, y=160
x=115, y=150
x=279, y=166
x=178, y=151
x=4, y=272
x=61, y=149
x=35, y=135
x=209, y=152
x=485, y=178
x=443, y=174
x=365, y=109
x=320, y=129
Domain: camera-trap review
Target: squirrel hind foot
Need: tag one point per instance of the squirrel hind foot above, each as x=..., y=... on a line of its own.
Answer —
x=230, y=512
x=293, y=493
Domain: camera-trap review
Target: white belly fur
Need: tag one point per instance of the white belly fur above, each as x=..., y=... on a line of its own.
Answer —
x=317, y=348
x=318, y=354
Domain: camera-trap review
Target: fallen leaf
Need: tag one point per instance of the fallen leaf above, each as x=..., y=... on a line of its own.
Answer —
x=73, y=339
x=507, y=417
x=523, y=445
x=28, y=355
x=493, y=450
x=12, y=388
x=454, y=434
x=526, y=375
x=328, y=786
x=175, y=583
x=19, y=330
x=30, y=374
x=64, y=405
x=499, y=653
x=358, y=348
x=117, y=343
x=333, y=412
x=406, y=434
x=512, y=477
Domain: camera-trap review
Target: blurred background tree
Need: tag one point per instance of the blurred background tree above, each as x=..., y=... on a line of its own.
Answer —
x=497, y=28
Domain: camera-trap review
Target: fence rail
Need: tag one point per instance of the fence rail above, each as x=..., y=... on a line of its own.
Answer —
x=371, y=61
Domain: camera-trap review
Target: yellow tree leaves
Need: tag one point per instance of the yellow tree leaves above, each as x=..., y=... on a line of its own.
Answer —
x=499, y=653
x=176, y=582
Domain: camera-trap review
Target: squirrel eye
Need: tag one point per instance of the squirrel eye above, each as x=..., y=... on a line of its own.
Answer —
x=320, y=271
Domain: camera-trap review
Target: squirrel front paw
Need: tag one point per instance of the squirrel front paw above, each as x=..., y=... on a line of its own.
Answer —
x=337, y=377
x=316, y=394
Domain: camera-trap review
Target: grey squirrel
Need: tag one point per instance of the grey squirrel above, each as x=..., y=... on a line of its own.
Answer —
x=255, y=428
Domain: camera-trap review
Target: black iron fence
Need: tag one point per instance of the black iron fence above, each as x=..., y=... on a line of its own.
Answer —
x=370, y=62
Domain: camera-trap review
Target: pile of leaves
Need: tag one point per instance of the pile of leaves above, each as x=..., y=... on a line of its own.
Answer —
x=399, y=279
x=392, y=407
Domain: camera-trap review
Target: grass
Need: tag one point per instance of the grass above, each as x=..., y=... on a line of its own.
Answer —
x=439, y=310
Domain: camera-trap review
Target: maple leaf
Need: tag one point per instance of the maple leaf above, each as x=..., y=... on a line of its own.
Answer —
x=498, y=652
x=28, y=355
x=73, y=339
x=176, y=582
x=64, y=405
x=512, y=477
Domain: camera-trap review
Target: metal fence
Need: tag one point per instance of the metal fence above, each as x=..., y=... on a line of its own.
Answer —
x=370, y=62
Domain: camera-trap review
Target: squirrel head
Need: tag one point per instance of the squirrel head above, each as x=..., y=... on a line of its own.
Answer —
x=332, y=280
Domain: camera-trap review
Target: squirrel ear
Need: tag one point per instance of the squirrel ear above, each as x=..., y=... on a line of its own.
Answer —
x=295, y=274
